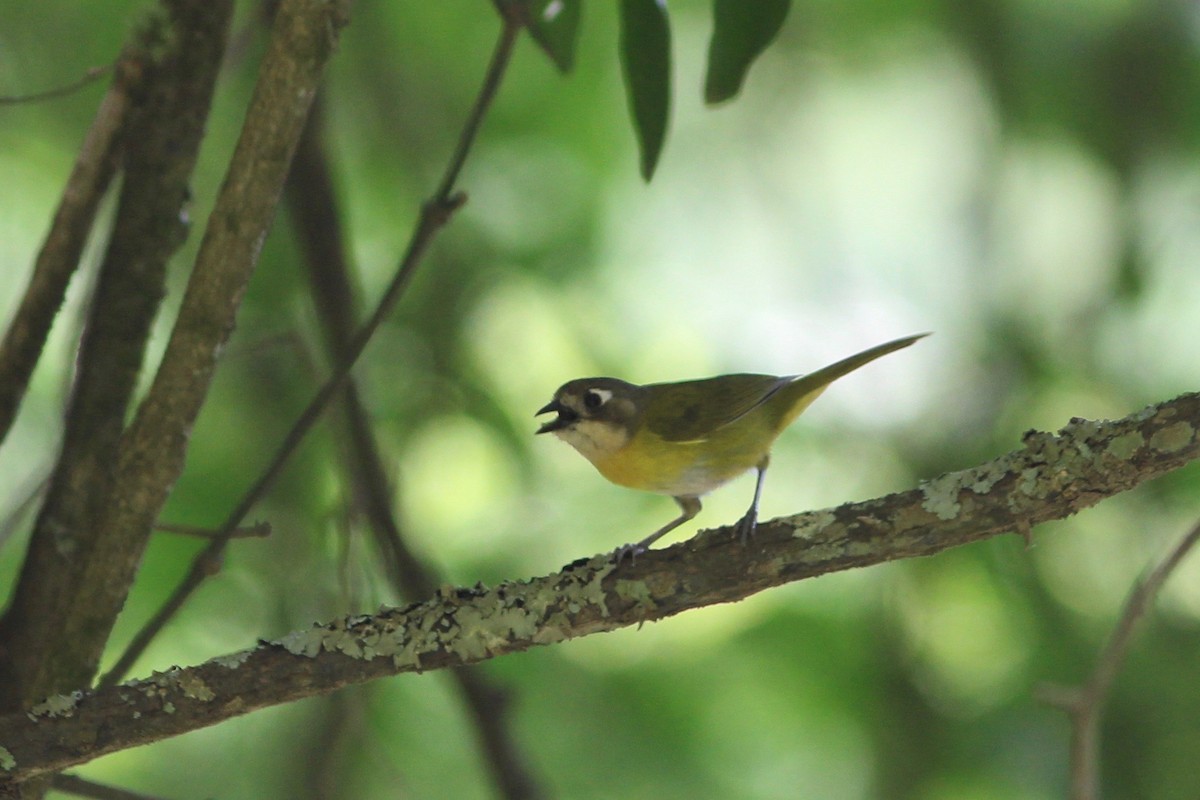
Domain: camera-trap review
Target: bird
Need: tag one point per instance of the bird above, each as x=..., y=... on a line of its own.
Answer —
x=685, y=439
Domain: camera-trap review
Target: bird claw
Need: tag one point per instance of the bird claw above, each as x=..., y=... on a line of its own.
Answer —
x=746, y=526
x=631, y=550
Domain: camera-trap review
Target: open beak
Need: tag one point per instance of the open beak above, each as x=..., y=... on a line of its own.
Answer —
x=565, y=417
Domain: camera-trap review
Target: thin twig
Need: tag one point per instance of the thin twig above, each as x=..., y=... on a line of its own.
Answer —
x=92, y=75
x=82, y=787
x=435, y=213
x=1085, y=704
x=259, y=530
x=313, y=206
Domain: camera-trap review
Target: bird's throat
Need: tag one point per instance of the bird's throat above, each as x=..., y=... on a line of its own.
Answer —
x=595, y=440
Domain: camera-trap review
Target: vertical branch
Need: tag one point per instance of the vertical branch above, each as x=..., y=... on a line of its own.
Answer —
x=153, y=449
x=178, y=56
x=435, y=213
x=59, y=257
x=312, y=203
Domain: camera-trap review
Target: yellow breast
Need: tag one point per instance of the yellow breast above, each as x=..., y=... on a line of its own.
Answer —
x=650, y=464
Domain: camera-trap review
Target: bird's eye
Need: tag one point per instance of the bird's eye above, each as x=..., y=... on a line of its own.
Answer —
x=594, y=398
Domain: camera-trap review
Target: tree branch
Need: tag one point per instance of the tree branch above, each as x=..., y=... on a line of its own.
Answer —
x=313, y=205
x=179, y=55
x=152, y=450
x=435, y=213
x=82, y=787
x=90, y=76
x=1050, y=477
x=1085, y=704
x=59, y=256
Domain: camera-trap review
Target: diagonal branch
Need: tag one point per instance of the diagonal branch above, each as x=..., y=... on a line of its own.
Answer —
x=313, y=205
x=82, y=787
x=59, y=257
x=1050, y=477
x=89, y=76
x=435, y=214
x=1085, y=704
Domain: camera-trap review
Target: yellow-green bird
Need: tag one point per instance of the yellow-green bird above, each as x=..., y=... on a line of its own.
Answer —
x=686, y=439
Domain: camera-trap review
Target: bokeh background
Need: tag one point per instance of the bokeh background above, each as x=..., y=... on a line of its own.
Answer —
x=1020, y=177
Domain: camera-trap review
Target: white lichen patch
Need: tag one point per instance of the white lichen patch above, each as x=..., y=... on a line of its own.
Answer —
x=1028, y=485
x=1124, y=446
x=60, y=705
x=806, y=524
x=344, y=642
x=476, y=631
x=303, y=643
x=1149, y=412
x=637, y=592
x=195, y=688
x=469, y=624
x=502, y=616
x=1044, y=446
x=1173, y=438
x=7, y=762
x=233, y=660
x=592, y=592
x=1084, y=428
x=941, y=496
x=387, y=643
x=983, y=478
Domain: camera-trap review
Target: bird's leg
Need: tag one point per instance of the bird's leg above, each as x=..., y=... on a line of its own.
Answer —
x=689, y=507
x=746, y=525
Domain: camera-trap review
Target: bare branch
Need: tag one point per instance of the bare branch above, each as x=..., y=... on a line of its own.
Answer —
x=1085, y=704
x=259, y=530
x=1050, y=477
x=92, y=75
x=59, y=257
x=312, y=204
x=82, y=787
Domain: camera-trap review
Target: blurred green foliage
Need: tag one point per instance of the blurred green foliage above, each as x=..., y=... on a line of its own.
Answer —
x=1020, y=177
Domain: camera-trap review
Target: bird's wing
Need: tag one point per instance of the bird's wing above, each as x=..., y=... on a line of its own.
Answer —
x=692, y=410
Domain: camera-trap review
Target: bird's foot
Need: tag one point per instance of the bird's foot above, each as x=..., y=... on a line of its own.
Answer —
x=746, y=526
x=631, y=550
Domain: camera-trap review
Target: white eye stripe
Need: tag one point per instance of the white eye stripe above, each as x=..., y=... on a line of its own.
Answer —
x=595, y=398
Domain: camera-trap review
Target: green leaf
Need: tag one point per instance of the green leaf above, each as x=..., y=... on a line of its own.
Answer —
x=554, y=25
x=742, y=29
x=645, y=44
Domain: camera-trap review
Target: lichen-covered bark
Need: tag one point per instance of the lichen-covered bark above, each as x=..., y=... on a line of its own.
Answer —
x=1050, y=477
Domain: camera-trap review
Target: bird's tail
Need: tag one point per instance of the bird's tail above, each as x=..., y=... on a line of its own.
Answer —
x=806, y=388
